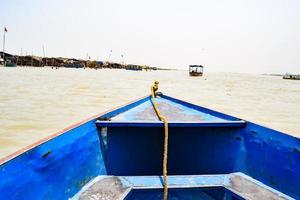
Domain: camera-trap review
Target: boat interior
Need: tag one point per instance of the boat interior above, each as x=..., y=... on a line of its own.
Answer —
x=119, y=154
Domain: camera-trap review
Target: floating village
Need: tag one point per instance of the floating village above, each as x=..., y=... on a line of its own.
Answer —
x=9, y=60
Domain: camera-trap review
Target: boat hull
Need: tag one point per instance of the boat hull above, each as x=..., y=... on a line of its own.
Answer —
x=10, y=65
x=196, y=73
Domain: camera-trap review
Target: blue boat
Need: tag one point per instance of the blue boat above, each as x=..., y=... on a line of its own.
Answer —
x=119, y=155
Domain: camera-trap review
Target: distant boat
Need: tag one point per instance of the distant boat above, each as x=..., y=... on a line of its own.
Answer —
x=118, y=155
x=291, y=76
x=9, y=63
x=7, y=60
x=196, y=70
x=73, y=63
x=133, y=67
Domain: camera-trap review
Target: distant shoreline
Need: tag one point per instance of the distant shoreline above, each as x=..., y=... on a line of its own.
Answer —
x=273, y=74
x=107, y=66
x=59, y=62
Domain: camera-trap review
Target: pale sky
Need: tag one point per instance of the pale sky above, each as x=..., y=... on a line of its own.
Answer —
x=254, y=36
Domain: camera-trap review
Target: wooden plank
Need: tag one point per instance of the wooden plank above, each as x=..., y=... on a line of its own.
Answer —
x=239, y=123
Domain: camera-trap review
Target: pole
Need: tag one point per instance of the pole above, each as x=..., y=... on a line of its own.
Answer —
x=4, y=45
x=43, y=51
x=109, y=55
x=21, y=57
x=44, y=56
x=122, y=61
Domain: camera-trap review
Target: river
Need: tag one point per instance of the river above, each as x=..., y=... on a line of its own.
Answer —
x=35, y=102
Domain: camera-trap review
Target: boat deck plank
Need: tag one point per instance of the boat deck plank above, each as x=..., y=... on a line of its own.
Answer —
x=173, y=111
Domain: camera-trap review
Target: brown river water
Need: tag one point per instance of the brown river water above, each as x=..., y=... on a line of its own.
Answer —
x=36, y=102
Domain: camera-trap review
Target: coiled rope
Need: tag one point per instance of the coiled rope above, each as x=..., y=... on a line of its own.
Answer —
x=154, y=88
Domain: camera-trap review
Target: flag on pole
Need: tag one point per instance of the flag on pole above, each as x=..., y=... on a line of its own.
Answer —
x=5, y=29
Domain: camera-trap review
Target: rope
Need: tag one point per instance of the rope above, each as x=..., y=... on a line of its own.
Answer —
x=154, y=88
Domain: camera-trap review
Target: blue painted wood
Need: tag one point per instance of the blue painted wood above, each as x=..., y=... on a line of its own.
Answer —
x=202, y=150
x=202, y=109
x=272, y=158
x=240, y=123
x=58, y=168
x=122, y=109
x=175, y=181
x=206, y=193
